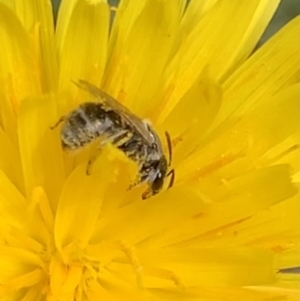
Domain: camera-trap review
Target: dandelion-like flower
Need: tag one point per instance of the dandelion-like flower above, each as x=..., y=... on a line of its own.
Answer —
x=228, y=228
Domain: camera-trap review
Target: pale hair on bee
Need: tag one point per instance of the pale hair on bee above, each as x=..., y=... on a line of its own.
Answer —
x=107, y=120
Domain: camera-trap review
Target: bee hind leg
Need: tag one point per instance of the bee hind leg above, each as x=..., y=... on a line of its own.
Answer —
x=92, y=160
x=89, y=165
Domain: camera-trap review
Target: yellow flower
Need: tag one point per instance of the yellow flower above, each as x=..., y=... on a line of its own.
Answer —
x=229, y=226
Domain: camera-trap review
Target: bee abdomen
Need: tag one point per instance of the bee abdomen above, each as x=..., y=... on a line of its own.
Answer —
x=85, y=124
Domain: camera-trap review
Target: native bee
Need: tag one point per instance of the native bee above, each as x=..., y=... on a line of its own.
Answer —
x=106, y=119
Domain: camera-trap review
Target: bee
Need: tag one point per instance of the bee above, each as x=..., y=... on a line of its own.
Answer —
x=106, y=119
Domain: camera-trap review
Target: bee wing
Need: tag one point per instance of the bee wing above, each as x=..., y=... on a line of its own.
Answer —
x=113, y=104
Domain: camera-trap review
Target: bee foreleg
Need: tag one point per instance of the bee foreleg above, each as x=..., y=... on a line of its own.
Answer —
x=134, y=184
x=147, y=194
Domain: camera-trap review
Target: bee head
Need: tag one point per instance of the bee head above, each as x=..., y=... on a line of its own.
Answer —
x=158, y=181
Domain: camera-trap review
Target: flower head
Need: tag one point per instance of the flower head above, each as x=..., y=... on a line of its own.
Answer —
x=227, y=228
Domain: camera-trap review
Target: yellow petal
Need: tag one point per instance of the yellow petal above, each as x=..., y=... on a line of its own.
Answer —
x=18, y=70
x=197, y=108
x=122, y=223
x=289, y=259
x=24, y=281
x=84, y=44
x=129, y=75
x=16, y=262
x=46, y=45
x=20, y=225
x=272, y=68
x=78, y=210
x=213, y=293
x=64, y=279
x=290, y=282
x=192, y=16
x=219, y=293
x=98, y=292
x=36, y=17
x=41, y=167
x=10, y=162
x=216, y=41
x=276, y=229
x=189, y=121
x=32, y=293
x=12, y=203
x=65, y=11
x=40, y=198
x=252, y=33
x=30, y=13
x=243, y=147
x=255, y=190
x=286, y=288
x=127, y=13
x=197, y=267
x=285, y=152
x=122, y=290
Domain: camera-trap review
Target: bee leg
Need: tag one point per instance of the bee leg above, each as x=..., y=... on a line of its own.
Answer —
x=134, y=184
x=60, y=120
x=147, y=194
x=96, y=152
x=89, y=165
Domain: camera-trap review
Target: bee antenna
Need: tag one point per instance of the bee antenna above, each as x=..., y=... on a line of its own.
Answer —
x=169, y=147
x=172, y=174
